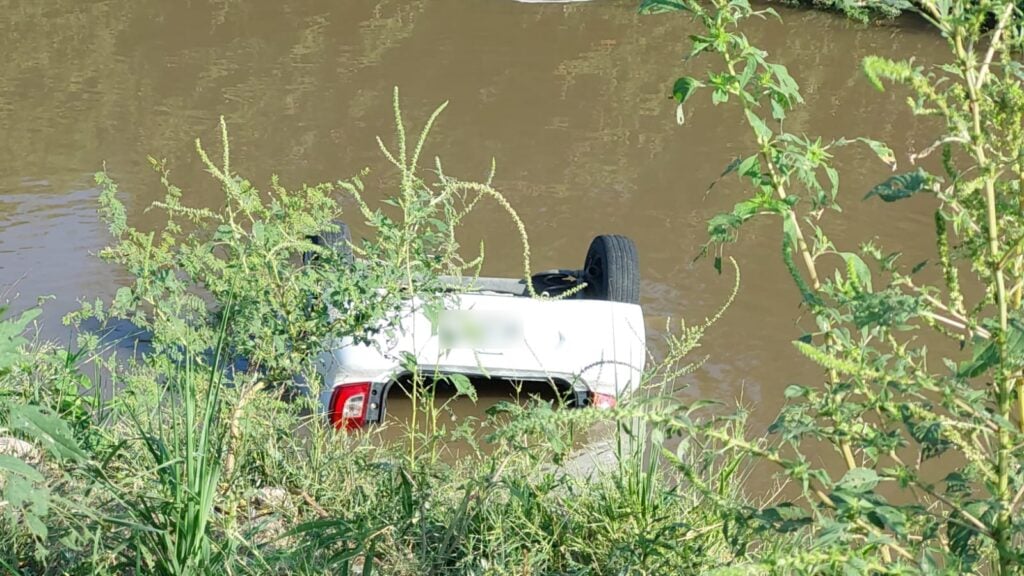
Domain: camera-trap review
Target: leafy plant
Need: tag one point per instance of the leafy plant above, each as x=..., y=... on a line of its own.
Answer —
x=12, y=340
x=193, y=467
x=887, y=406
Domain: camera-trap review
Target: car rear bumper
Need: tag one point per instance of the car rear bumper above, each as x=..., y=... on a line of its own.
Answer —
x=597, y=347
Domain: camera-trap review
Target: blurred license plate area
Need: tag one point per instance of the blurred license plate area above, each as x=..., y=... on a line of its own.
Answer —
x=480, y=330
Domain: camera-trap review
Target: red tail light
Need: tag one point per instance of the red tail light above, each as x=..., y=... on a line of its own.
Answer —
x=603, y=401
x=348, y=405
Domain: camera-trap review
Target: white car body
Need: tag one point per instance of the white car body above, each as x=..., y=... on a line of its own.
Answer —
x=595, y=346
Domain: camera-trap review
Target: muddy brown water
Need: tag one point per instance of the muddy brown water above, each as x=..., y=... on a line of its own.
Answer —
x=570, y=99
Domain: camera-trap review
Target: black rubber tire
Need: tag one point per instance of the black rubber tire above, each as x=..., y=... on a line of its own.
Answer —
x=612, y=270
x=340, y=241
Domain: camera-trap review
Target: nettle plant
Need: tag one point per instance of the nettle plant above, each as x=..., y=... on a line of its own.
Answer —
x=886, y=405
x=291, y=296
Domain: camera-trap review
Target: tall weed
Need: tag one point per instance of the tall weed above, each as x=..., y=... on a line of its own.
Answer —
x=203, y=461
x=888, y=406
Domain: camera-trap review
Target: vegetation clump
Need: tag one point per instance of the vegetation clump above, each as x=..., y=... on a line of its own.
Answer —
x=888, y=405
x=199, y=446
x=202, y=451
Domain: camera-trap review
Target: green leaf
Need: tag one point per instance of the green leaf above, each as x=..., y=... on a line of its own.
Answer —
x=49, y=429
x=463, y=387
x=749, y=167
x=833, y=179
x=681, y=91
x=748, y=72
x=888, y=308
x=722, y=227
x=889, y=518
x=778, y=110
x=884, y=153
x=985, y=354
x=787, y=86
x=684, y=88
x=901, y=186
x=224, y=232
x=927, y=434
x=957, y=484
x=24, y=490
x=859, y=480
x=1014, y=345
x=876, y=68
x=786, y=517
x=659, y=6
x=761, y=130
x=11, y=339
x=962, y=536
x=856, y=267
x=700, y=44
x=729, y=169
x=795, y=391
x=12, y=465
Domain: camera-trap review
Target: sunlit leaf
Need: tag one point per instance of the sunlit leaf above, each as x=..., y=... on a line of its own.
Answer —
x=463, y=387
x=858, y=269
x=761, y=130
x=48, y=428
x=985, y=355
x=859, y=480
x=877, y=68
x=699, y=44
x=888, y=308
x=12, y=465
x=11, y=339
x=884, y=153
x=24, y=490
x=795, y=391
x=749, y=166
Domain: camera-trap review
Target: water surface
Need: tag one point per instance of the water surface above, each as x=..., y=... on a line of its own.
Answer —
x=571, y=99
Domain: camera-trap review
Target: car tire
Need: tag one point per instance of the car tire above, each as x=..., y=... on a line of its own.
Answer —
x=340, y=241
x=612, y=270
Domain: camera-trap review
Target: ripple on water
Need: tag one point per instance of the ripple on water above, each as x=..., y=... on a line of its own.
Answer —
x=48, y=241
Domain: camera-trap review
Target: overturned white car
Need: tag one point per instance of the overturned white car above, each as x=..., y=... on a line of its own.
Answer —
x=589, y=346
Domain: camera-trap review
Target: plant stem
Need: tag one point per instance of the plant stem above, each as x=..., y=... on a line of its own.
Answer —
x=975, y=83
x=802, y=246
x=1018, y=294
